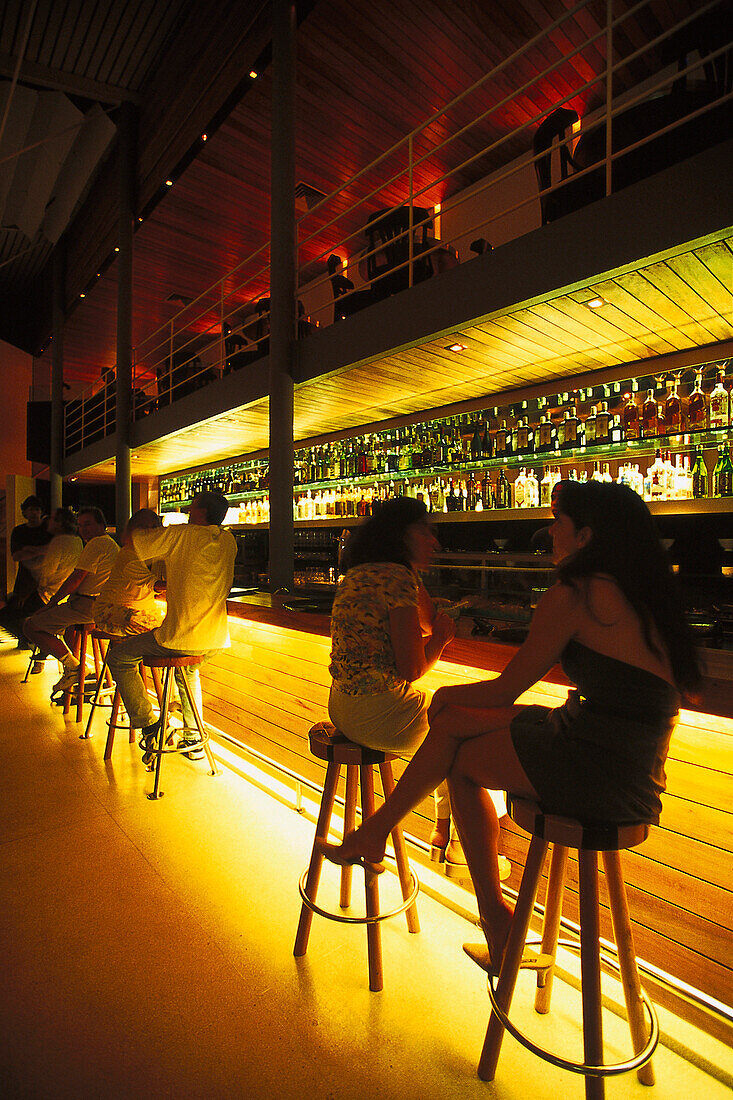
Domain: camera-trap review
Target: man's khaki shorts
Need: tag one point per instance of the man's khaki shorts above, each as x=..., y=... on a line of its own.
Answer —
x=56, y=619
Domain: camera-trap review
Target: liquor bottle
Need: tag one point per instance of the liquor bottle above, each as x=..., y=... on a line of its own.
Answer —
x=546, y=487
x=596, y=475
x=502, y=441
x=724, y=474
x=590, y=426
x=473, y=493
x=545, y=435
x=603, y=424
x=673, y=414
x=520, y=484
x=532, y=491
x=719, y=410
x=697, y=406
x=650, y=416
x=487, y=491
x=503, y=490
x=571, y=430
x=487, y=445
x=630, y=417
x=476, y=444
x=523, y=438
x=699, y=476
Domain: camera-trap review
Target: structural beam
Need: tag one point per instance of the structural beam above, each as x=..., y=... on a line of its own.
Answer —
x=282, y=294
x=55, y=465
x=126, y=182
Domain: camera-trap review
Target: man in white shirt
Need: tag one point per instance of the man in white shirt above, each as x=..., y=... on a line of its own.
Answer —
x=199, y=568
x=94, y=565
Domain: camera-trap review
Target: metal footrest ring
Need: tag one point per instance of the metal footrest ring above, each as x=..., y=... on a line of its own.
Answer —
x=611, y=1070
x=359, y=920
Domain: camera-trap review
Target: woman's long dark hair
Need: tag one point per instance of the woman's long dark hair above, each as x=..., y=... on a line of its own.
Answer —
x=625, y=545
x=384, y=535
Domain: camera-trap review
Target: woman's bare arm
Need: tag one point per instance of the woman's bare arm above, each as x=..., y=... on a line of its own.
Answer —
x=554, y=623
x=414, y=655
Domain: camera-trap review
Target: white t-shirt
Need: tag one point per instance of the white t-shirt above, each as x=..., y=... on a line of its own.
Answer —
x=131, y=583
x=199, y=570
x=96, y=559
x=59, y=562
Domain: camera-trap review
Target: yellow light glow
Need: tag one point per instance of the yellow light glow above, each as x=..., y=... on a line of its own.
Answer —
x=169, y=183
x=204, y=137
x=596, y=303
x=437, y=221
x=253, y=74
x=456, y=347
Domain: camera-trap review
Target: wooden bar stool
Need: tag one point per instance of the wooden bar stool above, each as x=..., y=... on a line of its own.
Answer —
x=588, y=839
x=82, y=634
x=106, y=686
x=327, y=743
x=34, y=653
x=164, y=743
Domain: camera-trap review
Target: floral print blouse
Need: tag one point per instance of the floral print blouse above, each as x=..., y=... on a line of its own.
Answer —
x=362, y=657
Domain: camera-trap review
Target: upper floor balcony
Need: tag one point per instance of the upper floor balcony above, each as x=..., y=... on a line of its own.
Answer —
x=608, y=187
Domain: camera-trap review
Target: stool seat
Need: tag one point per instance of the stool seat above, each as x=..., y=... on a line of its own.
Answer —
x=329, y=744
x=588, y=838
x=591, y=836
x=183, y=661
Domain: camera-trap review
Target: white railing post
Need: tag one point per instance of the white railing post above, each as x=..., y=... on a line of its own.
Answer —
x=609, y=95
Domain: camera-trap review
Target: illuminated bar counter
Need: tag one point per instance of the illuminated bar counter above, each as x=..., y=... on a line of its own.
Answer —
x=265, y=692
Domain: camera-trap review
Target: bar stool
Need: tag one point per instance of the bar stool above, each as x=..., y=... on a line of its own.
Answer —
x=82, y=634
x=588, y=840
x=106, y=686
x=164, y=742
x=327, y=743
x=34, y=653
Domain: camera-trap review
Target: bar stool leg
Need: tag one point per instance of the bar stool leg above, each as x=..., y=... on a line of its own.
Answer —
x=627, y=959
x=512, y=956
x=400, y=851
x=74, y=643
x=31, y=659
x=158, y=685
x=82, y=674
x=200, y=727
x=551, y=925
x=590, y=970
x=316, y=862
x=113, y=724
x=371, y=888
x=352, y=786
x=97, y=692
x=156, y=791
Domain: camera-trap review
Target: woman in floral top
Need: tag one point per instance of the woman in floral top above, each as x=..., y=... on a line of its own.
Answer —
x=386, y=634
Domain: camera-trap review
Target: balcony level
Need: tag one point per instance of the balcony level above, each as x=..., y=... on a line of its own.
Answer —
x=658, y=253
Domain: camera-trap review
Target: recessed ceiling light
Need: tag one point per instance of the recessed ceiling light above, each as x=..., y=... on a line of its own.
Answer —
x=596, y=303
x=82, y=295
x=169, y=183
x=456, y=347
x=204, y=137
x=117, y=248
x=253, y=74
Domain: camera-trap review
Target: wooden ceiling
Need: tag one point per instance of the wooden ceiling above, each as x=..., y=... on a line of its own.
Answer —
x=368, y=73
x=662, y=308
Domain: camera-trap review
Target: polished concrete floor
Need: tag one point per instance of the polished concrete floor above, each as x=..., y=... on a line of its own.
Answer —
x=147, y=948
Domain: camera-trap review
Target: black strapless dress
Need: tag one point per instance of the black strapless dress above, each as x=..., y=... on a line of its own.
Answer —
x=600, y=757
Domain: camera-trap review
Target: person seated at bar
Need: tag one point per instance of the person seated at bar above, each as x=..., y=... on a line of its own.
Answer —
x=199, y=569
x=78, y=593
x=126, y=604
x=59, y=560
x=386, y=634
x=28, y=541
x=615, y=622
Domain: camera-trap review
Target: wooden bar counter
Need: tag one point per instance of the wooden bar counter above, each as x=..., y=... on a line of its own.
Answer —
x=272, y=684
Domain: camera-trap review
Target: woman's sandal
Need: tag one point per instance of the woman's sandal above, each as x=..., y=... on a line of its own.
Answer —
x=479, y=953
x=334, y=854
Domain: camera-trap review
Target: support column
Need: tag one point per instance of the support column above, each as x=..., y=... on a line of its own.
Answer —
x=282, y=293
x=56, y=463
x=126, y=184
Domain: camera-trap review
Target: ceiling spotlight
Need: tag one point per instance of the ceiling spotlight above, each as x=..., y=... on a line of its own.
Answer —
x=596, y=303
x=117, y=248
x=456, y=347
x=82, y=295
x=204, y=137
x=169, y=183
x=253, y=74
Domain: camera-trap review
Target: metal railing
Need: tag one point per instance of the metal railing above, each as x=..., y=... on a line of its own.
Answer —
x=413, y=194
